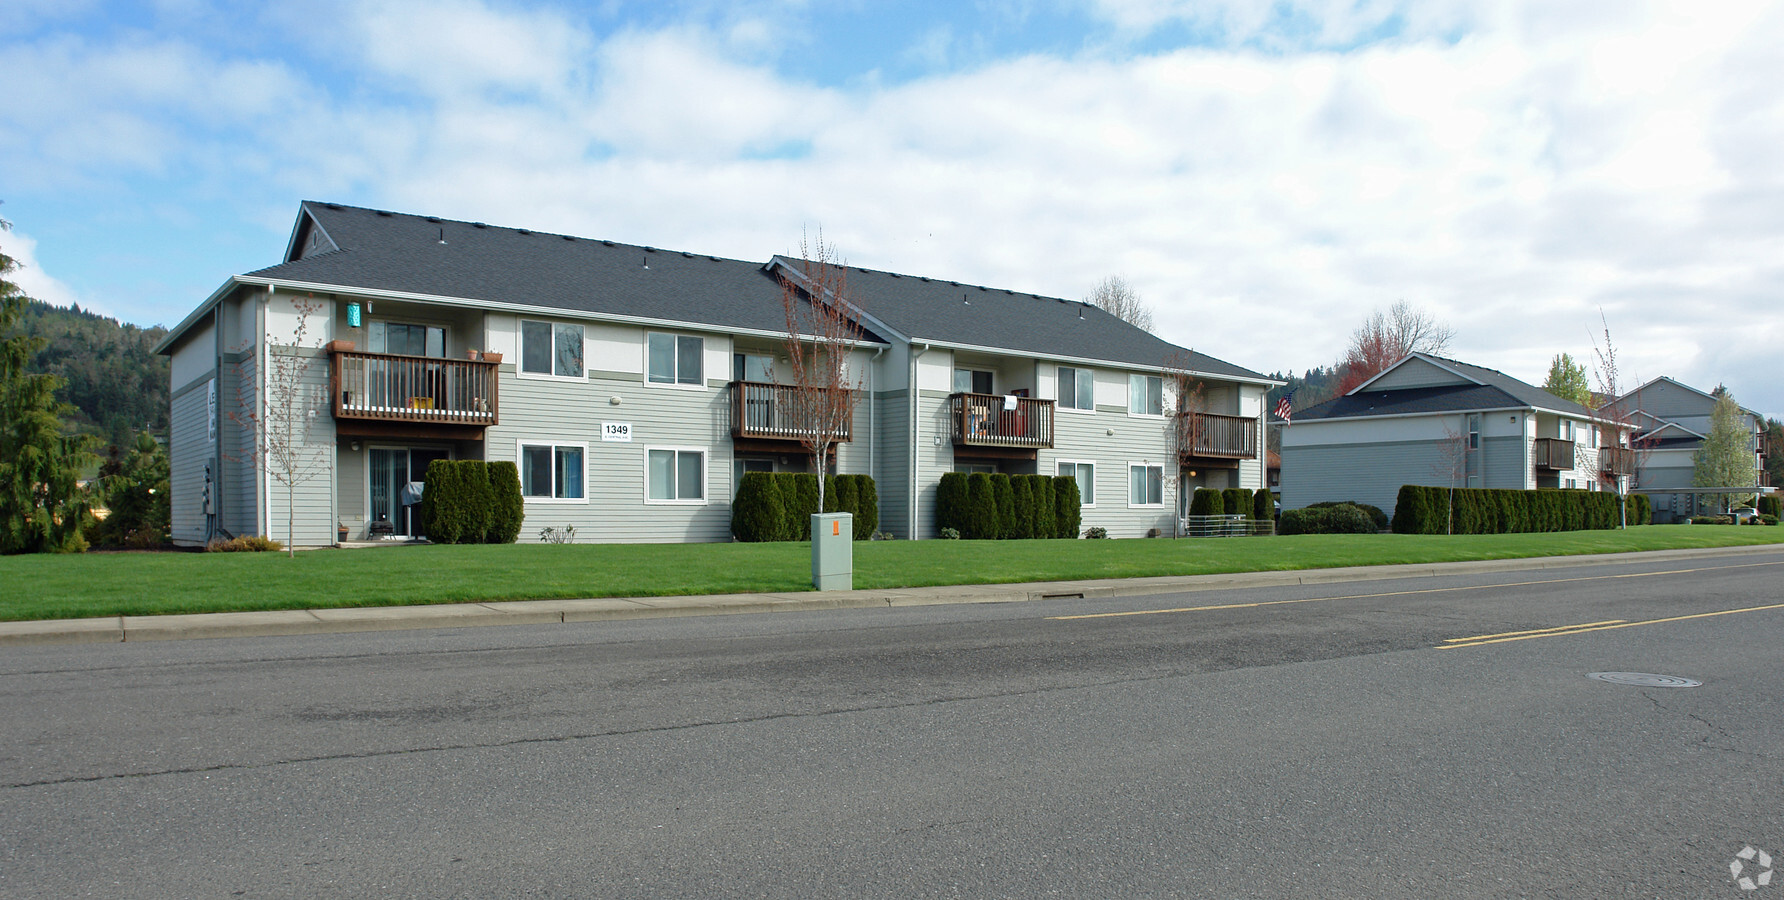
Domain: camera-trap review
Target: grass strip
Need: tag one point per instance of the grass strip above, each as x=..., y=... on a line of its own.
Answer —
x=111, y=584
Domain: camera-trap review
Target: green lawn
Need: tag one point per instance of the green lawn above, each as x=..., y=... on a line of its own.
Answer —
x=74, y=586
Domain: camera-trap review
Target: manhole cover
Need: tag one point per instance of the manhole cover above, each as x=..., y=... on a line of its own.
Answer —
x=1642, y=679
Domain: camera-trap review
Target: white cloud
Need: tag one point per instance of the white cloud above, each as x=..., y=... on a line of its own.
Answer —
x=1512, y=167
x=32, y=279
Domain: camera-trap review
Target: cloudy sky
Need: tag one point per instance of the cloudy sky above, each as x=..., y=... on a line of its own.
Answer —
x=1265, y=173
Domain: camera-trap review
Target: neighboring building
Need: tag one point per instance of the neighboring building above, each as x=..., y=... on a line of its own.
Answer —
x=636, y=385
x=1670, y=420
x=1433, y=421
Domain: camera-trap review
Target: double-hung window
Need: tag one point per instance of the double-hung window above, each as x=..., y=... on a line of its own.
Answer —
x=1146, y=485
x=1085, y=474
x=1145, y=395
x=552, y=471
x=1077, y=388
x=676, y=359
x=551, y=348
x=405, y=339
x=675, y=475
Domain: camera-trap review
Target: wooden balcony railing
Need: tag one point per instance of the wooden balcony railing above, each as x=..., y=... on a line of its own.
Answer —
x=1614, y=461
x=991, y=420
x=760, y=410
x=1554, y=453
x=1210, y=435
x=389, y=388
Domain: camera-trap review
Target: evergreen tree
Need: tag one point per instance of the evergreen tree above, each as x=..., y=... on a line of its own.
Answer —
x=1567, y=380
x=137, y=496
x=43, y=505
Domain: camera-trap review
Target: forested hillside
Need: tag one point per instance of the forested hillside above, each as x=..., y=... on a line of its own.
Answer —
x=116, y=384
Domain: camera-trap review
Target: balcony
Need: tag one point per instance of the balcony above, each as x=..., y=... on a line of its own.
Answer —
x=1615, y=461
x=1209, y=438
x=998, y=422
x=766, y=412
x=1554, y=454
x=385, y=395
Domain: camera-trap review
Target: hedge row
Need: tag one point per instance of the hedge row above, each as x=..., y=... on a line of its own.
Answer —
x=469, y=501
x=1421, y=509
x=1334, y=518
x=1769, y=505
x=778, y=506
x=983, y=506
x=1376, y=516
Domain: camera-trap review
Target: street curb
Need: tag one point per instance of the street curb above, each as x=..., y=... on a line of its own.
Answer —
x=115, y=629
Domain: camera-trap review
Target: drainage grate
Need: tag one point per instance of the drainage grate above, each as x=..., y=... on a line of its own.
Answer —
x=1642, y=679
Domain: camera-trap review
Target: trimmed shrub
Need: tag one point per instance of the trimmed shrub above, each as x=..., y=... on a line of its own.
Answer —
x=867, y=507
x=1041, y=486
x=246, y=543
x=951, y=500
x=1022, y=496
x=842, y=487
x=507, y=508
x=443, y=512
x=480, y=500
x=788, y=485
x=1006, y=505
x=1067, y=510
x=1769, y=505
x=756, y=512
x=1263, y=506
x=1642, y=510
x=1342, y=518
x=982, y=522
x=1207, y=502
x=1097, y=533
x=805, y=494
x=1410, y=513
x=1376, y=516
x=1235, y=501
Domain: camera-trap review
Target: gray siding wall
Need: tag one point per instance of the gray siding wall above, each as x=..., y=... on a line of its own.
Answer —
x=351, y=493
x=309, y=486
x=1416, y=373
x=933, y=459
x=239, y=490
x=615, y=509
x=1502, y=463
x=189, y=448
x=893, y=461
x=1370, y=473
x=1137, y=440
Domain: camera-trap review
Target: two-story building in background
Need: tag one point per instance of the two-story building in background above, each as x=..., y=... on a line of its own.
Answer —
x=633, y=386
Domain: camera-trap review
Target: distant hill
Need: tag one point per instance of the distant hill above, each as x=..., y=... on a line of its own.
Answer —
x=116, y=384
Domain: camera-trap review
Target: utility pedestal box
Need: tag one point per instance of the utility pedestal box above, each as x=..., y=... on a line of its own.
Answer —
x=832, y=551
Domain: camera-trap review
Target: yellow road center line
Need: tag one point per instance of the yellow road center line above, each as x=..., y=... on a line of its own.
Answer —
x=1534, y=631
x=1582, y=629
x=1442, y=590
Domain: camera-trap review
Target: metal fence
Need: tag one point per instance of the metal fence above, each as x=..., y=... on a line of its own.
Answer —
x=1225, y=526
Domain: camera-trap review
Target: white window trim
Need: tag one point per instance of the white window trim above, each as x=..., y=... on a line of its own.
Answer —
x=1095, y=467
x=705, y=468
x=520, y=460
x=675, y=385
x=1130, y=485
x=1059, y=402
x=1130, y=397
x=520, y=348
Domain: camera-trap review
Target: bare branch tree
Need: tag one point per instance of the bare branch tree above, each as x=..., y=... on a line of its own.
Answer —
x=1451, y=465
x=1384, y=338
x=1187, y=425
x=293, y=402
x=1624, y=413
x=1118, y=298
x=821, y=330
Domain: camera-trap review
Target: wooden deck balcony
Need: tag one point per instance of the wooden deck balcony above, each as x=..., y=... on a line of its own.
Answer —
x=1209, y=436
x=1554, y=454
x=1614, y=461
x=386, y=395
x=992, y=420
x=761, y=411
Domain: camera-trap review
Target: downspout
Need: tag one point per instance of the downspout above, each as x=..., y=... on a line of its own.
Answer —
x=263, y=479
x=916, y=442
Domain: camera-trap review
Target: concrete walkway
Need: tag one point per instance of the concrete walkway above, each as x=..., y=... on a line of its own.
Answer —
x=113, y=629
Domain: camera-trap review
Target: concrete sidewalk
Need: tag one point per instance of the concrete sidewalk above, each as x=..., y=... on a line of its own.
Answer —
x=542, y=612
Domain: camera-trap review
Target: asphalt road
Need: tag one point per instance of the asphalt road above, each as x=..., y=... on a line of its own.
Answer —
x=1310, y=741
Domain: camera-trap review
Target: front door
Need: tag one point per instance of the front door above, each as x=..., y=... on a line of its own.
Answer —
x=392, y=470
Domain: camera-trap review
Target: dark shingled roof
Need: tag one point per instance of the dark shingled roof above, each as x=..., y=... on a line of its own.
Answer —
x=1497, y=390
x=956, y=313
x=402, y=253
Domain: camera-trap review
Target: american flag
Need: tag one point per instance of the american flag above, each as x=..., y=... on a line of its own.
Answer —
x=1284, y=405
